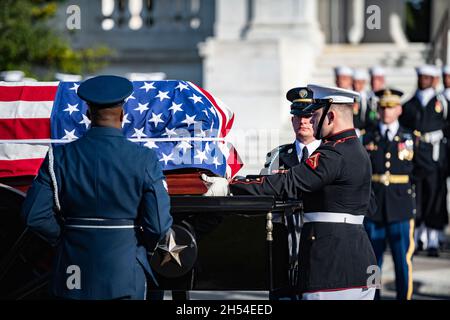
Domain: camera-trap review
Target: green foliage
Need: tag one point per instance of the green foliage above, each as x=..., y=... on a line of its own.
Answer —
x=29, y=43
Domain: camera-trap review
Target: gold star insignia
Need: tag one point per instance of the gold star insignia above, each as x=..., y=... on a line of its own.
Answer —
x=172, y=251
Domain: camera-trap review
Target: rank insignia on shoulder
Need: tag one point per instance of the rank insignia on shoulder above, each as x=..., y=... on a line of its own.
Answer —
x=438, y=106
x=313, y=161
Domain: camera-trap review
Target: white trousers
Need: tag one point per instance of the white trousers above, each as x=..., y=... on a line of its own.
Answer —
x=346, y=294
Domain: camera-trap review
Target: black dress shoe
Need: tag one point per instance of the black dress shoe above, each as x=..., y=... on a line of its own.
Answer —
x=433, y=252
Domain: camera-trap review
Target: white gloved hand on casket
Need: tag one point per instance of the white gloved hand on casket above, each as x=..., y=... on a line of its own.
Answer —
x=217, y=186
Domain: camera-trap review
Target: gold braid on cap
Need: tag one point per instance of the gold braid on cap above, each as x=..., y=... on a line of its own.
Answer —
x=389, y=100
x=303, y=100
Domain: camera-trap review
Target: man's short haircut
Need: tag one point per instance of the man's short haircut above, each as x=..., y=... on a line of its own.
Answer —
x=346, y=110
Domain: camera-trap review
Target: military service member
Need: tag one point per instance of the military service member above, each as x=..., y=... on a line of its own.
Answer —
x=446, y=82
x=334, y=182
x=363, y=119
x=377, y=83
x=426, y=114
x=391, y=150
x=377, y=78
x=112, y=205
x=343, y=77
x=287, y=156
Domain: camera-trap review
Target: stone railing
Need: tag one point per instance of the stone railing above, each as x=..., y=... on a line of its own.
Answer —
x=148, y=14
x=142, y=27
x=440, y=43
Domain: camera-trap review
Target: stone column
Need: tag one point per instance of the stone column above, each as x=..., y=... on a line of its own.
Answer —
x=261, y=48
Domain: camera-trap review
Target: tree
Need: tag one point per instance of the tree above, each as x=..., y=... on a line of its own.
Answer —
x=29, y=43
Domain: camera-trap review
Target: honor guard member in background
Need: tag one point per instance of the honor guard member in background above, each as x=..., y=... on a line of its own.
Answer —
x=334, y=182
x=102, y=201
x=446, y=82
x=377, y=79
x=436, y=78
x=289, y=155
x=391, y=150
x=377, y=83
x=446, y=94
x=426, y=114
x=343, y=77
x=362, y=118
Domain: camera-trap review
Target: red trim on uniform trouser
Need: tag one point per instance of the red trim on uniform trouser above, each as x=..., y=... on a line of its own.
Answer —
x=248, y=182
x=336, y=289
x=343, y=140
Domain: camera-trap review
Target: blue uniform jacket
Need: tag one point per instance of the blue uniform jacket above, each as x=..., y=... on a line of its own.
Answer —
x=105, y=180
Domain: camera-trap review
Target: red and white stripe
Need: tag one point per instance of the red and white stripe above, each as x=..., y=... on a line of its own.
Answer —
x=225, y=115
x=226, y=118
x=25, y=110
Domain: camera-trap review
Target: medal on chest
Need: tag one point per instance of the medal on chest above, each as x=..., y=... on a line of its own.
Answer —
x=405, y=150
x=438, y=106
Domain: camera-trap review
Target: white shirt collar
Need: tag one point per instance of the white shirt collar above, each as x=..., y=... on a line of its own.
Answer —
x=425, y=96
x=393, y=129
x=312, y=146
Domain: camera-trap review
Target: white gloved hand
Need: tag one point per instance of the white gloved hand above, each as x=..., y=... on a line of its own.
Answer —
x=217, y=186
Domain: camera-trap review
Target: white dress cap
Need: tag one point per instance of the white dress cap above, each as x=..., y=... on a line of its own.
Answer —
x=68, y=77
x=360, y=74
x=343, y=71
x=427, y=70
x=337, y=95
x=12, y=76
x=139, y=76
x=377, y=71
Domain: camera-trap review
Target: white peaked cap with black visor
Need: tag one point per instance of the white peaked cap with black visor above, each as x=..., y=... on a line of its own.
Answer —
x=377, y=71
x=324, y=97
x=428, y=70
x=343, y=71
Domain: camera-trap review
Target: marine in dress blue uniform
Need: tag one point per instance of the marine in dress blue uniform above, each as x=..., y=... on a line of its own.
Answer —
x=114, y=206
x=391, y=150
x=281, y=159
x=335, y=185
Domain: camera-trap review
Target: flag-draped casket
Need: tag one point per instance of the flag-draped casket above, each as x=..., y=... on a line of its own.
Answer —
x=183, y=123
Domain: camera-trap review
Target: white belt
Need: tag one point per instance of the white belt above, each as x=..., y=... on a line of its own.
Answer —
x=332, y=217
x=434, y=138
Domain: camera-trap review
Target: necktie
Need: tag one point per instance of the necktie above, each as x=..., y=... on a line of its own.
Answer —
x=305, y=154
x=386, y=135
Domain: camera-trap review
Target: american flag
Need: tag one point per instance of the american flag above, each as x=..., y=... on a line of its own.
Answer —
x=183, y=123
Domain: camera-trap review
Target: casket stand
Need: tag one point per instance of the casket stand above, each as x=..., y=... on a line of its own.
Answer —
x=235, y=235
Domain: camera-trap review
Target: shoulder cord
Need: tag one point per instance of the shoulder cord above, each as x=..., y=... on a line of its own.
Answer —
x=272, y=162
x=51, y=160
